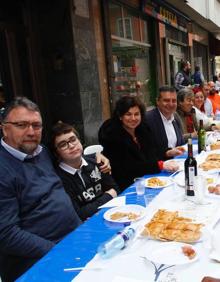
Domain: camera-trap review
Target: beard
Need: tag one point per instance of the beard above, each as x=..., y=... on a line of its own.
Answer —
x=28, y=148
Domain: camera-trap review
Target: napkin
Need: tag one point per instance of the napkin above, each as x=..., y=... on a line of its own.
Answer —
x=115, y=202
x=215, y=244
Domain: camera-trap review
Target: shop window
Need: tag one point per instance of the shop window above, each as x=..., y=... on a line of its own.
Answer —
x=130, y=54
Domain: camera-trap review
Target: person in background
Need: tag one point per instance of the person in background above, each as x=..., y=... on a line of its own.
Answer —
x=199, y=107
x=87, y=187
x=198, y=77
x=186, y=113
x=128, y=143
x=217, y=83
x=207, y=103
x=165, y=127
x=182, y=78
x=214, y=97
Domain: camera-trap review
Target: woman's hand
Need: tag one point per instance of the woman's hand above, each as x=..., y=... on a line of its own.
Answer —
x=177, y=151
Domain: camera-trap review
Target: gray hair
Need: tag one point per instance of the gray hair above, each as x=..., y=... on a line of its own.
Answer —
x=184, y=93
x=20, y=102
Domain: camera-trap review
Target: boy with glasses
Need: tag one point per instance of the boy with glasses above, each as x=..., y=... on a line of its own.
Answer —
x=87, y=187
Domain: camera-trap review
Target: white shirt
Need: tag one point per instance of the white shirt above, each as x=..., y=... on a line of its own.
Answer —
x=202, y=116
x=208, y=107
x=170, y=131
x=73, y=170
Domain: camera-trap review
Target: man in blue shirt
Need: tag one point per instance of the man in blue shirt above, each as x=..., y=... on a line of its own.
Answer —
x=35, y=211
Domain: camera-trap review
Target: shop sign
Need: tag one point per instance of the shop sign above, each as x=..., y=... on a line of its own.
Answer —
x=163, y=14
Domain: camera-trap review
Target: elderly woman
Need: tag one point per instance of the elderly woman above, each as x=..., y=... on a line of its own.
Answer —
x=128, y=143
x=186, y=113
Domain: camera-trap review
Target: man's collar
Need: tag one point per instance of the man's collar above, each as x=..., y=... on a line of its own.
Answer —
x=18, y=154
x=71, y=169
x=165, y=119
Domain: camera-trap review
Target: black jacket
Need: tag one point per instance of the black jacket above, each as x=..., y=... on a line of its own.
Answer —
x=155, y=123
x=128, y=160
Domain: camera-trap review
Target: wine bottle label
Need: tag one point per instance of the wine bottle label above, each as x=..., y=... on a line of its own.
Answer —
x=191, y=175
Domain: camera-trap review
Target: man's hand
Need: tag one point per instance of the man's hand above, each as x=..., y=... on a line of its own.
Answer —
x=210, y=279
x=112, y=192
x=103, y=163
x=174, y=152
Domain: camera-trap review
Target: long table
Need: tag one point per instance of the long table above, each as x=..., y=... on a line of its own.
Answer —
x=80, y=246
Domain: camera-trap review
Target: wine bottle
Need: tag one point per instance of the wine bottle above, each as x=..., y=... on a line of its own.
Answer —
x=201, y=137
x=190, y=166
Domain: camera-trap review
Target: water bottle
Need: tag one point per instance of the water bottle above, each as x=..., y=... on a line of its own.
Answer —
x=116, y=243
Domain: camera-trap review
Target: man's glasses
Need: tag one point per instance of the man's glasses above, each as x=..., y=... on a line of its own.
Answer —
x=64, y=145
x=23, y=125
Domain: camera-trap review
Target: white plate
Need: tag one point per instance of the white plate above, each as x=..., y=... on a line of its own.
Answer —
x=166, y=179
x=169, y=253
x=180, y=163
x=128, y=208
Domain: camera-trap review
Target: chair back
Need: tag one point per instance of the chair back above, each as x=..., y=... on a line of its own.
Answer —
x=93, y=149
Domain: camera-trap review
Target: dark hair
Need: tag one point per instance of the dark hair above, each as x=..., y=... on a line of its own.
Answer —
x=184, y=93
x=197, y=68
x=61, y=128
x=165, y=88
x=20, y=102
x=123, y=105
x=183, y=64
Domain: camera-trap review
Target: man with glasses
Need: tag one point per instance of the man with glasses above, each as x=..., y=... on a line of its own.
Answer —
x=35, y=210
x=87, y=187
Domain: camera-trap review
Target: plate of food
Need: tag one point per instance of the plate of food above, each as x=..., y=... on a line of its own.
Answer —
x=178, y=162
x=158, y=182
x=176, y=253
x=125, y=214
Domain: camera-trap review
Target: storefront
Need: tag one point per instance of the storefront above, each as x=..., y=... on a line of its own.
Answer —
x=130, y=52
x=173, y=37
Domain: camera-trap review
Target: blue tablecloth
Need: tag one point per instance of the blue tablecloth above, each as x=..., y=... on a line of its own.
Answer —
x=80, y=246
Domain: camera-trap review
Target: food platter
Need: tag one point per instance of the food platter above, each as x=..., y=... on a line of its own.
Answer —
x=180, y=163
x=158, y=182
x=125, y=214
x=169, y=253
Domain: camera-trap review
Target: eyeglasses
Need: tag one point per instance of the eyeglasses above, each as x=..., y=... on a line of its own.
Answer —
x=23, y=125
x=64, y=145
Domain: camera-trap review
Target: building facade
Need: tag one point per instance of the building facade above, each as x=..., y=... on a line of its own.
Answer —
x=75, y=58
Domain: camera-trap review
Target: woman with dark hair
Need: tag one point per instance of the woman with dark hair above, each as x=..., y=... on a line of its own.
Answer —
x=128, y=144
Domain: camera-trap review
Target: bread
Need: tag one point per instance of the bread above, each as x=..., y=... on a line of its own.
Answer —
x=215, y=145
x=169, y=226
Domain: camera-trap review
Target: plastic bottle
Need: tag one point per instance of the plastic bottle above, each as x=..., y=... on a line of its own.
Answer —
x=116, y=243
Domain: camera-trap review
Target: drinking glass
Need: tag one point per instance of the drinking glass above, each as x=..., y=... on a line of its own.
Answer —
x=140, y=186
